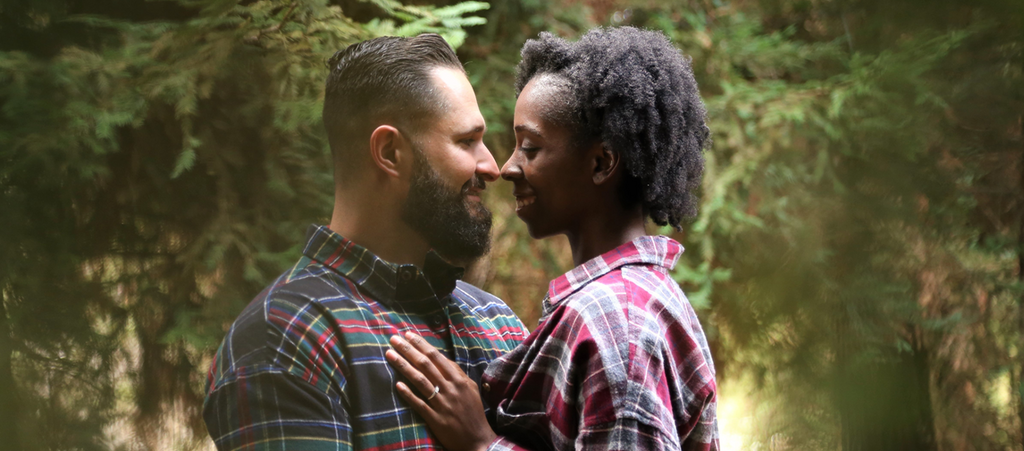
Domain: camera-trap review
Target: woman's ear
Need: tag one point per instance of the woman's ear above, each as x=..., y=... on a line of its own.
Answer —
x=387, y=145
x=606, y=163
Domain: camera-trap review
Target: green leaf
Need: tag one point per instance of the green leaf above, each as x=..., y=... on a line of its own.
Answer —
x=186, y=159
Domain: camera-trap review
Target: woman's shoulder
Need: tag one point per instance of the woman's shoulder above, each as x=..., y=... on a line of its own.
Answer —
x=627, y=286
x=635, y=303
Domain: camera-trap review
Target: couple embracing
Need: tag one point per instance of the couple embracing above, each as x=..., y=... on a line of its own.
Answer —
x=371, y=341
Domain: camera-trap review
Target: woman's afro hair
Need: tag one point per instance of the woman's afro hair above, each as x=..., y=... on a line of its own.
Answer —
x=636, y=93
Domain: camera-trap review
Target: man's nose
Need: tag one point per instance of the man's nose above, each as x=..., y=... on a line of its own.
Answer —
x=486, y=167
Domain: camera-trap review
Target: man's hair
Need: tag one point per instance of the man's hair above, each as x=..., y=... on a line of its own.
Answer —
x=633, y=91
x=382, y=80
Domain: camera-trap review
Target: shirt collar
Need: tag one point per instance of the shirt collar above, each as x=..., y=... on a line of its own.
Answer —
x=385, y=281
x=660, y=251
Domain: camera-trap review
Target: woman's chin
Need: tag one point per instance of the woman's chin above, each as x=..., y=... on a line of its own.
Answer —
x=536, y=224
x=537, y=231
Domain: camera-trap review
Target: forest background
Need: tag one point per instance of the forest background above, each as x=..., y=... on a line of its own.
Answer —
x=856, y=262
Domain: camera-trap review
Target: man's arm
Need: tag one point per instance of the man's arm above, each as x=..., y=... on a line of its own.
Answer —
x=264, y=408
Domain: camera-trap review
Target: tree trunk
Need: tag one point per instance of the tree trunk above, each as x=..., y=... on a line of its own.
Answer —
x=886, y=405
x=8, y=398
x=1018, y=381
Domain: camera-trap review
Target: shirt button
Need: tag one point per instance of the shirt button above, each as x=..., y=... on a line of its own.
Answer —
x=437, y=320
x=405, y=274
x=486, y=387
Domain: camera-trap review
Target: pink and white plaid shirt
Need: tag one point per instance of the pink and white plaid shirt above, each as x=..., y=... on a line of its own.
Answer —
x=618, y=362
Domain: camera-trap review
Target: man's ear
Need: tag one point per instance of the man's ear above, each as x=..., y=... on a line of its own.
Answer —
x=605, y=163
x=388, y=149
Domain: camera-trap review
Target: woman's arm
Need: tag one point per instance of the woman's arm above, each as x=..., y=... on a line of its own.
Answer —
x=449, y=400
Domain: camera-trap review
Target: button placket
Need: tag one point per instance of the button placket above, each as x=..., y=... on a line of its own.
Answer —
x=406, y=273
x=440, y=319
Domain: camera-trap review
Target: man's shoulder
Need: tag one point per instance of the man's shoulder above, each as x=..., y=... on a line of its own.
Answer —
x=489, y=311
x=480, y=302
x=294, y=293
x=310, y=281
x=295, y=297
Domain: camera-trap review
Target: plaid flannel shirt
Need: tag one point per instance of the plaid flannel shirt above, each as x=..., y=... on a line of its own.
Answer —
x=303, y=365
x=618, y=362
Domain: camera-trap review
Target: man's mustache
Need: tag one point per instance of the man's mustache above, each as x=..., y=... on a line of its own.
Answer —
x=475, y=182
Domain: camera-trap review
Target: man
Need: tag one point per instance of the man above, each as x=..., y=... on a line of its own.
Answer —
x=303, y=366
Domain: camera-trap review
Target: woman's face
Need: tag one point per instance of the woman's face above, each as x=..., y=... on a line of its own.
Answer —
x=553, y=182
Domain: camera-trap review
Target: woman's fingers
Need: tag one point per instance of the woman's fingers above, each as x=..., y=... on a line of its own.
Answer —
x=455, y=414
x=423, y=384
x=417, y=404
x=440, y=362
x=423, y=356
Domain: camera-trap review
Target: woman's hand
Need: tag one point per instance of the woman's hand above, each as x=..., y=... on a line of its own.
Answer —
x=449, y=400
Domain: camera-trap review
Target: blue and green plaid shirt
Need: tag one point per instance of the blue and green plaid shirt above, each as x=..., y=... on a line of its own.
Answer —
x=303, y=366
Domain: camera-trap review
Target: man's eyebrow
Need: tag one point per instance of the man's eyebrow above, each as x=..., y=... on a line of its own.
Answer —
x=527, y=128
x=474, y=130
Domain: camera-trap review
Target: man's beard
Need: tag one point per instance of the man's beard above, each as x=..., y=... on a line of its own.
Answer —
x=456, y=229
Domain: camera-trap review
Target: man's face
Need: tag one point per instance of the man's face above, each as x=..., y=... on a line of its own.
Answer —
x=451, y=167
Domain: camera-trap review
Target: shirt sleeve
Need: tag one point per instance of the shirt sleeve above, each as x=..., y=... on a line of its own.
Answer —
x=624, y=434
x=269, y=408
x=631, y=434
x=504, y=444
x=704, y=436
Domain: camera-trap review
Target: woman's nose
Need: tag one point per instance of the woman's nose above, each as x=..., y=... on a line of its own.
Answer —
x=511, y=169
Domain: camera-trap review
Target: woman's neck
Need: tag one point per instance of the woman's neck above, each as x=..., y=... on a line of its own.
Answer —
x=603, y=232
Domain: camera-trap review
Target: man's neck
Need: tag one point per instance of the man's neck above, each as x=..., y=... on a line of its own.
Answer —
x=377, y=227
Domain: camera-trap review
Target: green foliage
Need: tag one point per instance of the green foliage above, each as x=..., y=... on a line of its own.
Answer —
x=835, y=258
x=156, y=174
x=854, y=263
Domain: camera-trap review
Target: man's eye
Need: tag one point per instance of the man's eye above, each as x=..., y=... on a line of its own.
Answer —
x=529, y=149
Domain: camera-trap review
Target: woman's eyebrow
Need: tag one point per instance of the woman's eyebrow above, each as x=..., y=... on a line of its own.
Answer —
x=527, y=128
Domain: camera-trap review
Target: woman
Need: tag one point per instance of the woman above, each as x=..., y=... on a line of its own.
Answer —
x=609, y=131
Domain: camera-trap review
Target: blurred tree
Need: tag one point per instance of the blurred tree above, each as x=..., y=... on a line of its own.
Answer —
x=160, y=161
x=852, y=249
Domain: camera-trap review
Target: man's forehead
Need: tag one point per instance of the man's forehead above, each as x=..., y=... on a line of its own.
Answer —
x=455, y=124
x=449, y=78
x=460, y=113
